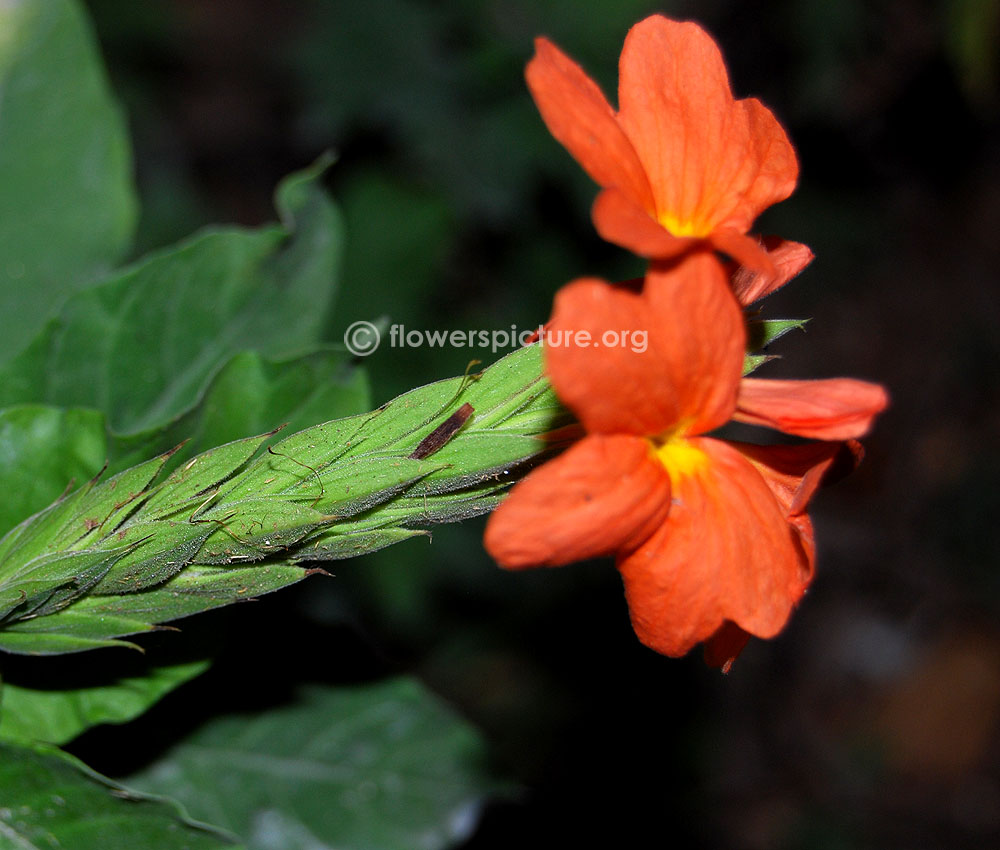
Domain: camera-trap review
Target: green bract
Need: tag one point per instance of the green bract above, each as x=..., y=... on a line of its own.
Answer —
x=121, y=555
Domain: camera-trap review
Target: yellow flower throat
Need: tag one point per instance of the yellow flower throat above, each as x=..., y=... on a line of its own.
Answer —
x=679, y=456
x=680, y=227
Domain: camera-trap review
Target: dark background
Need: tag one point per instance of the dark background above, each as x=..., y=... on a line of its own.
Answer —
x=872, y=721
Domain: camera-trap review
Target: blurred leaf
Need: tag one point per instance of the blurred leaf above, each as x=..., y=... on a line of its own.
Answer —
x=374, y=267
x=398, y=278
x=144, y=346
x=252, y=394
x=29, y=714
x=42, y=451
x=972, y=28
x=67, y=202
x=48, y=801
x=377, y=72
x=374, y=767
x=448, y=107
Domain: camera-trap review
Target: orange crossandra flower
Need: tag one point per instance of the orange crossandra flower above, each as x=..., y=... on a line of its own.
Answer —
x=711, y=537
x=683, y=164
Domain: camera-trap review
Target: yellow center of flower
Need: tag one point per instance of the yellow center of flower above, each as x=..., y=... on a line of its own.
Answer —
x=686, y=227
x=680, y=458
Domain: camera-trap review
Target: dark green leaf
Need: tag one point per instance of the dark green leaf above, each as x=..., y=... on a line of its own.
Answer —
x=48, y=802
x=374, y=767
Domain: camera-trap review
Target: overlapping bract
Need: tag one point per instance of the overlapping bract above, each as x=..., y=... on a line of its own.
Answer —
x=711, y=537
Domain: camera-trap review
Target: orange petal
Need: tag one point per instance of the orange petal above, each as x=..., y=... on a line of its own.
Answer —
x=603, y=495
x=792, y=472
x=685, y=373
x=580, y=118
x=746, y=250
x=788, y=258
x=726, y=552
x=701, y=335
x=831, y=409
x=675, y=105
x=621, y=221
x=772, y=163
x=711, y=161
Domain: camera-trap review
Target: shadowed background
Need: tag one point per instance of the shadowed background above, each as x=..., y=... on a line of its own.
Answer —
x=874, y=720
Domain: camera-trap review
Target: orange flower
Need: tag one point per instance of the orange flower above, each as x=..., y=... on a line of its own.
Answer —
x=711, y=537
x=682, y=163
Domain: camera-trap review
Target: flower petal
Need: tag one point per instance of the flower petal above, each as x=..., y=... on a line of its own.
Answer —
x=601, y=496
x=772, y=165
x=794, y=472
x=700, y=338
x=582, y=120
x=711, y=161
x=684, y=374
x=746, y=250
x=788, y=258
x=726, y=552
x=676, y=107
x=831, y=409
x=621, y=221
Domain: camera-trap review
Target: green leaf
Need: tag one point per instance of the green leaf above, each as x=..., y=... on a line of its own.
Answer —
x=51, y=801
x=373, y=767
x=57, y=715
x=221, y=292
x=67, y=202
